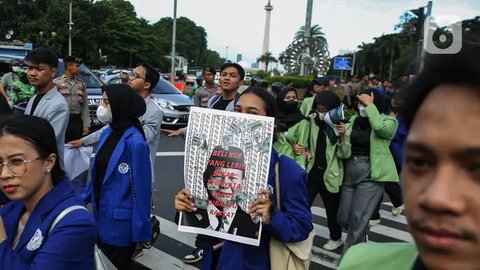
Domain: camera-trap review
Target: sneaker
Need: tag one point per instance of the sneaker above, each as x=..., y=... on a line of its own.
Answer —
x=397, y=211
x=333, y=244
x=137, y=253
x=194, y=257
x=374, y=222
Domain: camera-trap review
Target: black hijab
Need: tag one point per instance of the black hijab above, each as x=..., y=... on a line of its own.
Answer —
x=288, y=115
x=379, y=101
x=330, y=101
x=127, y=106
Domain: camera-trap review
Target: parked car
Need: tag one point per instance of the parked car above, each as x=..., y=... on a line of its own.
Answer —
x=174, y=104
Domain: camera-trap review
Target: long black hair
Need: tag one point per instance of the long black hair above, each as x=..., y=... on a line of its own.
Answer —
x=37, y=131
x=268, y=101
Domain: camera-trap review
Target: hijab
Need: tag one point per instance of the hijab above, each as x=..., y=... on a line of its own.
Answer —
x=288, y=112
x=127, y=106
x=379, y=101
x=330, y=101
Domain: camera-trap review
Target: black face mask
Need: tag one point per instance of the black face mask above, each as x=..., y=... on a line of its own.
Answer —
x=290, y=106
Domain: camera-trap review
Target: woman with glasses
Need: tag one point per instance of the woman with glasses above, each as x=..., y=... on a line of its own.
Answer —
x=120, y=189
x=30, y=176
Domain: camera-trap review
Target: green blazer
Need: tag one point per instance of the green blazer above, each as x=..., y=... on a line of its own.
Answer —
x=306, y=106
x=385, y=256
x=333, y=176
x=384, y=128
x=297, y=134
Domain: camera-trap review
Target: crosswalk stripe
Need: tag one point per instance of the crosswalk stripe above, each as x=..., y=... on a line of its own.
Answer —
x=322, y=258
x=156, y=259
x=379, y=229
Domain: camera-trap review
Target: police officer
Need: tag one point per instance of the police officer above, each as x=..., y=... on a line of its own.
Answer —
x=75, y=92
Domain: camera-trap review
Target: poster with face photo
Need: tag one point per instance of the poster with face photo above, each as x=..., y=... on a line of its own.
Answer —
x=227, y=160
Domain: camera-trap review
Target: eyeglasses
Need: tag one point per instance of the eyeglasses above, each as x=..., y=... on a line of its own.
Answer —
x=134, y=76
x=16, y=166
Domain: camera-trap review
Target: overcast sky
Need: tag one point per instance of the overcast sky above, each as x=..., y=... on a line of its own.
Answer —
x=239, y=24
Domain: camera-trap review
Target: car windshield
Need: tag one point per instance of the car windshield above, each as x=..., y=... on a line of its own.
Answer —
x=86, y=75
x=164, y=87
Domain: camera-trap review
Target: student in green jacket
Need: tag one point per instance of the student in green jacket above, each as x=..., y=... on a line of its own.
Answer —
x=293, y=127
x=440, y=173
x=320, y=84
x=325, y=168
x=368, y=164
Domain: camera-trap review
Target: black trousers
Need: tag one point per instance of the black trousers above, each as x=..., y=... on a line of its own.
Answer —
x=394, y=192
x=74, y=128
x=331, y=201
x=119, y=256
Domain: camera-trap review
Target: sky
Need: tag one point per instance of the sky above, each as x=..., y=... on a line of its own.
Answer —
x=237, y=26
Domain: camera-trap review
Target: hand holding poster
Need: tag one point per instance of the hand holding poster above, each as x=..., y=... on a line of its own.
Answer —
x=227, y=159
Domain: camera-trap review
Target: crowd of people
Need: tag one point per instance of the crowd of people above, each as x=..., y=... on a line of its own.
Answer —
x=426, y=132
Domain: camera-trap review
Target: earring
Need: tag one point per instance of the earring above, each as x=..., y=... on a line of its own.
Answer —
x=48, y=170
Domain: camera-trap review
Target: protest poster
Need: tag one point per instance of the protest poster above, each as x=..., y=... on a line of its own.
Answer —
x=227, y=160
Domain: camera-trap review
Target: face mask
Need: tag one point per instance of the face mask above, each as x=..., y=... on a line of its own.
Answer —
x=15, y=68
x=291, y=106
x=321, y=116
x=104, y=115
x=361, y=111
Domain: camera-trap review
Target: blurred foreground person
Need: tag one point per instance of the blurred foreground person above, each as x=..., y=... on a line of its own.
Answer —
x=33, y=233
x=440, y=173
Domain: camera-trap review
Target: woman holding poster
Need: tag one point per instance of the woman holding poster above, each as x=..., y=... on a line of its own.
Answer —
x=289, y=222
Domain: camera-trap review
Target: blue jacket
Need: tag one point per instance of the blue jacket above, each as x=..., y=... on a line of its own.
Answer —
x=69, y=245
x=123, y=220
x=291, y=223
x=396, y=146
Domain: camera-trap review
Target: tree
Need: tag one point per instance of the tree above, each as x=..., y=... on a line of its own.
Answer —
x=267, y=58
x=316, y=33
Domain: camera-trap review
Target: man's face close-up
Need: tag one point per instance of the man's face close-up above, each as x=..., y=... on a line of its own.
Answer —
x=209, y=77
x=441, y=178
x=225, y=184
x=230, y=79
x=40, y=75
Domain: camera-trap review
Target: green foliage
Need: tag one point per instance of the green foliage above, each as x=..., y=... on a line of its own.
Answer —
x=109, y=25
x=267, y=58
x=298, y=81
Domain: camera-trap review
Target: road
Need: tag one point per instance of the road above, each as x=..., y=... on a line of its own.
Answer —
x=172, y=245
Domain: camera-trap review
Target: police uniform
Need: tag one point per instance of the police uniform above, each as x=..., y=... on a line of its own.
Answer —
x=75, y=93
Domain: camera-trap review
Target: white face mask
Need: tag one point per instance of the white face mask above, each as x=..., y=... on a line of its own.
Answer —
x=104, y=115
x=361, y=111
x=321, y=116
x=15, y=68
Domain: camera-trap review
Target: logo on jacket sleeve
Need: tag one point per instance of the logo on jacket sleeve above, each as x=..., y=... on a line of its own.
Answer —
x=36, y=241
x=123, y=168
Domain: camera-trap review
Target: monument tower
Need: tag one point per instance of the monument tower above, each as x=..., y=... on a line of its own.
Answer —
x=266, y=35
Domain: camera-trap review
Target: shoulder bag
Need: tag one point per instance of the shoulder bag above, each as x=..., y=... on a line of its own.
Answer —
x=101, y=260
x=289, y=256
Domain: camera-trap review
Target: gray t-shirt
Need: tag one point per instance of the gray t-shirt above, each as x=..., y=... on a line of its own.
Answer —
x=9, y=79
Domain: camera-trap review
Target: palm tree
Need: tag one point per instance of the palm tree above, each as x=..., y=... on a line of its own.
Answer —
x=267, y=58
x=316, y=33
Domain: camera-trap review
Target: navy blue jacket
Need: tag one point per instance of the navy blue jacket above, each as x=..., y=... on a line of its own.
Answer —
x=69, y=245
x=122, y=220
x=291, y=223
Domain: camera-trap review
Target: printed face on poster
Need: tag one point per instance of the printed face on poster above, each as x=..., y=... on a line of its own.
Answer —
x=227, y=159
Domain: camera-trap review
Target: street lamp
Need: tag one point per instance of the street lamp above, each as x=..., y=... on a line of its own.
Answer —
x=9, y=34
x=174, y=37
x=70, y=25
